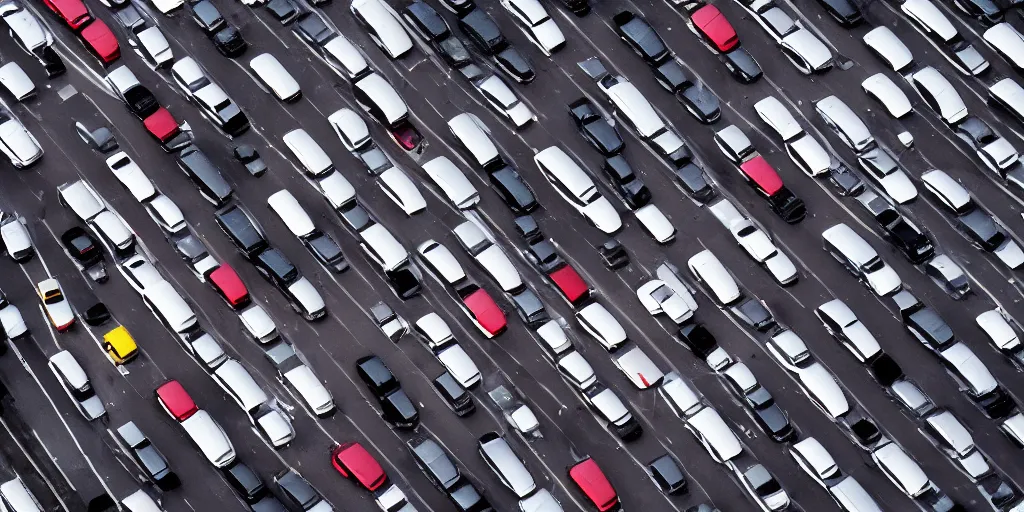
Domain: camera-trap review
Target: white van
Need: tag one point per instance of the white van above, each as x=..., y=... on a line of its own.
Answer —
x=17, y=498
x=311, y=156
x=167, y=304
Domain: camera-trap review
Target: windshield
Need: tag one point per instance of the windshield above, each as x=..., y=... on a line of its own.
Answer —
x=873, y=265
x=53, y=297
x=749, y=230
x=83, y=394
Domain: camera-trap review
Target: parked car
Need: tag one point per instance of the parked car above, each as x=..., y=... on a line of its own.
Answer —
x=756, y=243
x=439, y=339
x=610, y=408
x=481, y=309
x=275, y=78
x=840, y=321
x=352, y=461
x=17, y=143
x=700, y=101
x=211, y=99
x=299, y=493
x=383, y=27
x=436, y=464
x=800, y=46
x=817, y=382
x=55, y=304
x=76, y=384
x=998, y=329
x=302, y=296
x=994, y=151
x=205, y=175
x=454, y=394
x=885, y=92
x=854, y=253
x=593, y=483
x=506, y=465
x=760, y=404
x=201, y=428
x=145, y=37
x=598, y=322
x=939, y=94
x=537, y=24
x=763, y=487
x=577, y=188
x=149, y=459
x=897, y=229
x=760, y=174
x=883, y=169
x=489, y=256
x=396, y=406
x=657, y=297
x=595, y=128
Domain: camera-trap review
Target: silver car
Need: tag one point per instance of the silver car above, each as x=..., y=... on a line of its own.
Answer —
x=20, y=147
x=602, y=326
x=383, y=26
x=351, y=129
x=438, y=337
x=817, y=382
x=504, y=462
x=888, y=47
x=840, y=321
x=144, y=36
x=456, y=187
x=503, y=100
x=755, y=242
x=211, y=99
x=76, y=384
x=537, y=24
x=845, y=123
x=901, y=470
x=804, y=150
x=807, y=53
x=939, y=94
x=883, y=90
x=26, y=29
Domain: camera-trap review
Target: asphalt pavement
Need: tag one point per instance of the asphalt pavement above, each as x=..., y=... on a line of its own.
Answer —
x=93, y=464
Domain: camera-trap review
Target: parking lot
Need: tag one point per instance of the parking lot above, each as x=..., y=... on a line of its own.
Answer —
x=91, y=461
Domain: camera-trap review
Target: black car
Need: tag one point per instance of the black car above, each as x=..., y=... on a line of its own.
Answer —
x=578, y=7
x=275, y=267
x=238, y=224
x=453, y=52
x=148, y=457
x=846, y=183
x=250, y=158
x=543, y=254
x=595, y=128
x=787, y=206
x=141, y=101
x=625, y=181
x=207, y=16
x=398, y=409
x=85, y=250
x=667, y=474
x=742, y=65
x=904, y=235
x=311, y=28
x=641, y=37
x=326, y=251
x=101, y=139
x=693, y=180
x=229, y=41
x=698, y=339
x=515, y=65
x=96, y=313
x=753, y=313
x=467, y=498
x=513, y=190
x=999, y=491
x=246, y=483
x=982, y=229
x=976, y=132
x=759, y=402
x=426, y=22
x=205, y=175
x=527, y=228
x=458, y=399
x=480, y=28
x=923, y=322
x=405, y=280
x=613, y=254
x=531, y=310
x=985, y=11
x=843, y=11
x=356, y=217
x=885, y=369
x=51, y=61
x=284, y=11
x=864, y=429
x=699, y=101
x=296, y=490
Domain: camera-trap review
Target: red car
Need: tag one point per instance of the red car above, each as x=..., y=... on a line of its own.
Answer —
x=73, y=12
x=572, y=286
x=587, y=475
x=352, y=461
x=481, y=308
x=161, y=124
x=225, y=280
x=176, y=401
x=101, y=41
x=711, y=25
x=760, y=174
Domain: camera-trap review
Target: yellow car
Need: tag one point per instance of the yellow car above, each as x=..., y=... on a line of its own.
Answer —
x=120, y=345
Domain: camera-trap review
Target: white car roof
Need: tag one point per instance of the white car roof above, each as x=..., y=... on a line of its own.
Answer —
x=739, y=374
x=907, y=473
x=1007, y=40
x=852, y=495
x=128, y=172
x=452, y=182
x=638, y=367
x=434, y=328
x=209, y=437
x=845, y=118
x=336, y=189
x=274, y=75
x=113, y=227
x=634, y=105
x=822, y=384
x=307, y=296
x=346, y=121
x=532, y=9
x=566, y=171
x=188, y=70
x=603, y=322
x=310, y=154
x=347, y=54
x=459, y=364
x=540, y=501
x=406, y=195
x=891, y=96
x=121, y=79
x=241, y=385
x=440, y=258
x=809, y=47
x=70, y=369
x=776, y=115
x=944, y=185
x=951, y=106
x=19, y=496
x=551, y=333
x=577, y=366
x=816, y=456
x=499, y=91
x=382, y=94
x=673, y=389
x=167, y=211
x=952, y=431
x=973, y=371
x=19, y=141
x=506, y=463
x=472, y=133
x=291, y=213
x=715, y=275
x=257, y=321
x=497, y=264
x=1011, y=93
x=15, y=234
x=656, y=222
x=82, y=199
x=16, y=81
x=930, y=15
x=716, y=431
x=27, y=27
x=208, y=350
x=139, y=501
x=310, y=388
x=609, y=404
x=998, y=329
x=390, y=32
x=154, y=41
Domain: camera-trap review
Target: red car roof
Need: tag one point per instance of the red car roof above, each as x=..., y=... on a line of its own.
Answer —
x=74, y=12
x=761, y=172
x=485, y=311
x=591, y=480
x=177, y=400
x=161, y=124
x=353, y=458
x=570, y=283
x=716, y=27
x=101, y=41
x=229, y=284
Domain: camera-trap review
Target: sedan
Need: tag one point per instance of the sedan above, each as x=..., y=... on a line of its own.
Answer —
x=714, y=29
x=626, y=182
x=764, y=488
x=76, y=384
x=995, y=151
x=298, y=492
x=501, y=98
x=881, y=167
x=976, y=223
x=882, y=89
x=145, y=37
x=147, y=456
x=11, y=319
x=840, y=321
x=595, y=128
x=383, y=26
x=759, y=403
x=578, y=189
x=1008, y=41
x=698, y=99
x=798, y=44
x=898, y=230
x=537, y=24
x=939, y=94
x=398, y=409
x=641, y=37
x=16, y=143
x=355, y=463
x=845, y=12
x=657, y=297
x=57, y=307
x=211, y=99
x=482, y=310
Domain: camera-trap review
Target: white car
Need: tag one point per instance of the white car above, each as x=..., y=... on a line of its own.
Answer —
x=258, y=324
x=956, y=442
x=599, y=323
x=888, y=47
x=295, y=371
x=439, y=339
x=167, y=6
x=198, y=424
x=993, y=322
x=456, y=187
x=166, y=214
x=655, y=223
x=16, y=81
x=931, y=20
x=57, y=307
x=144, y=36
x=211, y=99
x=817, y=382
x=840, y=321
x=11, y=319
x=383, y=26
x=804, y=150
x=658, y=297
x=140, y=273
x=798, y=44
x=719, y=283
x=578, y=189
x=638, y=368
x=20, y=147
x=883, y=169
x=401, y=190
x=15, y=237
x=439, y=260
x=502, y=99
x=131, y=176
x=755, y=242
x=702, y=420
x=939, y=94
x=537, y=24
x=1008, y=42
x=76, y=384
x=239, y=384
x=351, y=129
x=901, y=470
x=845, y=123
x=882, y=89
x=275, y=78
x=489, y=256
x=26, y=29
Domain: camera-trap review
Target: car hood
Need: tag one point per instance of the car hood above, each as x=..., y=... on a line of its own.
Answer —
x=306, y=295
x=603, y=215
x=1009, y=253
x=548, y=34
x=898, y=186
x=458, y=363
x=804, y=43
x=16, y=81
x=13, y=322
x=817, y=381
x=60, y=312
x=311, y=389
x=520, y=114
x=815, y=157
x=500, y=268
x=209, y=437
x=884, y=280
x=639, y=368
x=888, y=93
x=972, y=60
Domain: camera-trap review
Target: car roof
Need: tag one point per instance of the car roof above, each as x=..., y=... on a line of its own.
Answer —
x=762, y=172
x=638, y=367
x=712, y=427
x=176, y=399
x=603, y=322
x=970, y=368
x=674, y=388
x=950, y=105
x=351, y=124
x=713, y=23
x=908, y=393
x=892, y=97
x=385, y=245
x=241, y=383
x=227, y=280
x=347, y=54
x=845, y=118
x=850, y=243
x=902, y=468
x=70, y=369
x=816, y=456
x=275, y=75
x=852, y=495
x=472, y=133
x=336, y=189
x=996, y=327
x=773, y=112
x=384, y=96
x=507, y=464
x=1010, y=92
x=82, y=199
x=717, y=277
x=436, y=460
x=291, y=213
x=635, y=106
x=741, y=376
x=566, y=170
x=434, y=327
x=452, y=181
x=931, y=16
x=944, y=184
x=592, y=481
x=361, y=463
x=946, y=425
x=391, y=33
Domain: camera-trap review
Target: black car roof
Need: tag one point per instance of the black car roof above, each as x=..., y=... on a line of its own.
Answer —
x=672, y=72
x=428, y=19
x=297, y=487
x=484, y=26
x=667, y=467
x=276, y=262
x=237, y=221
x=312, y=25
x=207, y=12
x=543, y=250
x=510, y=180
x=528, y=301
x=927, y=320
x=243, y=477
x=448, y=386
x=378, y=374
